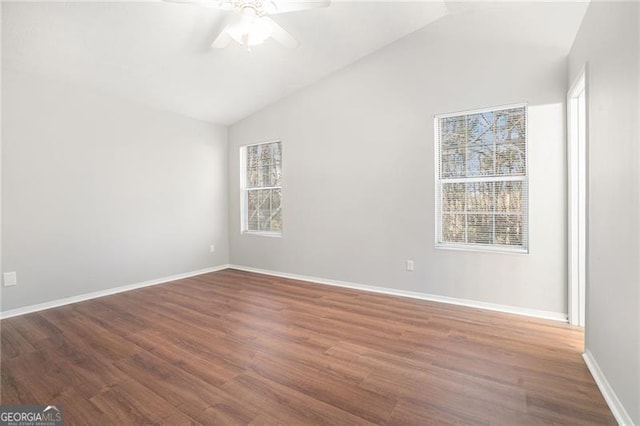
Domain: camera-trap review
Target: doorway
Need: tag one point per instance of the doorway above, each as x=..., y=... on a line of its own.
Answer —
x=577, y=180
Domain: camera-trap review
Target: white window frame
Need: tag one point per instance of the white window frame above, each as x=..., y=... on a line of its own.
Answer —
x=438, y=181
x=244, y=191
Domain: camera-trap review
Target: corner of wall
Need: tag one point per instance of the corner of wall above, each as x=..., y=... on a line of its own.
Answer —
x=616, y=407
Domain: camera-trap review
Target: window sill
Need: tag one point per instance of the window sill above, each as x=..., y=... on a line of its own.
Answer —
x=263, y=234
x=483, y=249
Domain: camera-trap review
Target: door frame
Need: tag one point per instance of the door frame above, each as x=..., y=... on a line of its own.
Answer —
x=577, y=197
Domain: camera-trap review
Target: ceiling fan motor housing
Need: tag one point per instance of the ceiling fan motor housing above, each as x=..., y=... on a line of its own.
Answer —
x=259, y=7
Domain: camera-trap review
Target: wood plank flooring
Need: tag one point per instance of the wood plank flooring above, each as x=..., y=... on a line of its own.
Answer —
x=232, y=347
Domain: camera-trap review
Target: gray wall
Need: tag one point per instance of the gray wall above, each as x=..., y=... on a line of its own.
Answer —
x=358, y=171
x=99, y=192
x=608, y=43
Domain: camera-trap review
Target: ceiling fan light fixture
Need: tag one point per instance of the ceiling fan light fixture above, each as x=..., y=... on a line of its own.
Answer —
x=250, y=30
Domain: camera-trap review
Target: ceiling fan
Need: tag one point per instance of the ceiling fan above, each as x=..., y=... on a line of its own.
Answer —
x=249, y=24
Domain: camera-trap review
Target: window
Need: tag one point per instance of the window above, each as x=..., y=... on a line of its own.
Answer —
x=261, y=184
x=481, y=179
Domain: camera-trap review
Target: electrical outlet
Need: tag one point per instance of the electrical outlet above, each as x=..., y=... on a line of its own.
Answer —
x=410, y=265
x=10, y=279
x=212, y=248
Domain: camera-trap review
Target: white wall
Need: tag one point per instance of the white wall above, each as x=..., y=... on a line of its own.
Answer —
x=608, y=41
x=99, y=192
x=359, y=176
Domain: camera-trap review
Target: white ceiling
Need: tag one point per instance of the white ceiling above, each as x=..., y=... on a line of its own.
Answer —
x=158, y=53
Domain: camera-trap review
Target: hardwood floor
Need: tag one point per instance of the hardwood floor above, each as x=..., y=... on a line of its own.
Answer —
x=232, y=347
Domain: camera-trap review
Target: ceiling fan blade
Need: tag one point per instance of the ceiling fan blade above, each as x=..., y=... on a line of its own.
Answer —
x=222, y=40
x=284, y=6
x=281, y=35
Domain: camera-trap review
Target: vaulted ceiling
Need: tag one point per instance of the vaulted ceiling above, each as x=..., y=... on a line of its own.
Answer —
x=158, y=53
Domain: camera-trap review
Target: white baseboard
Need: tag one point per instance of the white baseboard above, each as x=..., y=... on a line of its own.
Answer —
x=556, y=316
x=74, y=299
x=616, y=407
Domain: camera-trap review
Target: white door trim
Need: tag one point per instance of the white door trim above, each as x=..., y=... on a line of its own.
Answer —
x=577, y=161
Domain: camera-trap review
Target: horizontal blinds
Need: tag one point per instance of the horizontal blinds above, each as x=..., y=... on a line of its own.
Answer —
x=482, y=186
x=263, y=188
x=264, y=165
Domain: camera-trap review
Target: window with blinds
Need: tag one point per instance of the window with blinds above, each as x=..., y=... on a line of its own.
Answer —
x=481, y=179
x=261, y=183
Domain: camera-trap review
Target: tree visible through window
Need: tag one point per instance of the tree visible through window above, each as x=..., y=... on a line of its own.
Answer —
x=262, y=188
x=481, y=174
